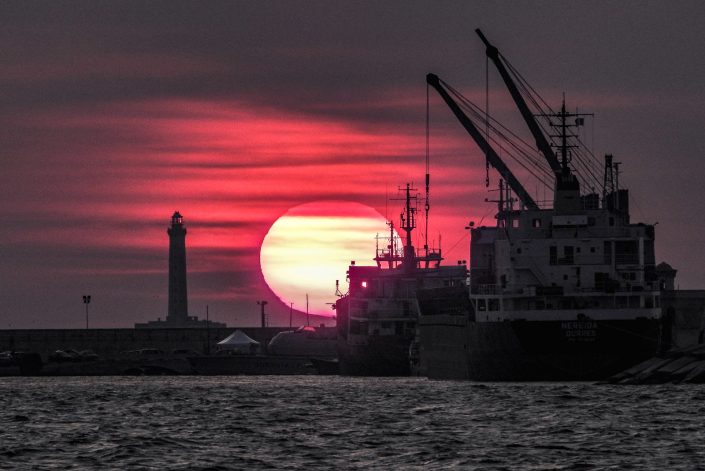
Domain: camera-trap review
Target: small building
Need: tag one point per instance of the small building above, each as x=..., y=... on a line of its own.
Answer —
x=682, y=311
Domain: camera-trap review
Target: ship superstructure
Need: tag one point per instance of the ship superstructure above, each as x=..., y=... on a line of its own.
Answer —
x=564, y=292
x=377, y=318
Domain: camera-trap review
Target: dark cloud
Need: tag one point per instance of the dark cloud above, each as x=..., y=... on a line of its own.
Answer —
x=115, y=114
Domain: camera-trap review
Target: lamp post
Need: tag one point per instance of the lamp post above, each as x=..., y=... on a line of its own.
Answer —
x=86, y=301
x=264, y=320
x=291, y=311
x=208, y=332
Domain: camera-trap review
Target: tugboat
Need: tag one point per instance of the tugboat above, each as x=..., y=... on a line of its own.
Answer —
x=567, y=292
x=377, y=318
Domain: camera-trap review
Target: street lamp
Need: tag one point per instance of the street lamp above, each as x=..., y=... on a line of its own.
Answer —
x=262, y=304
x=86, y=301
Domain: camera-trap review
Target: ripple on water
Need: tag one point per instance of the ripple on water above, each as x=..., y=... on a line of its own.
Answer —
x=346, y=423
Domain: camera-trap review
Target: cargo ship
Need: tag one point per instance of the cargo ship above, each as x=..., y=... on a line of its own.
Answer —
x=563, y=290
x=377, y=318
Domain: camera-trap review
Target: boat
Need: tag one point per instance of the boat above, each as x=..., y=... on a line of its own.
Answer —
x=377, y=318
x=306, y=340
x=559, y=290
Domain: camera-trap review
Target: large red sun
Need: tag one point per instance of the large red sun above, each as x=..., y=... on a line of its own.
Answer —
x=311, y=246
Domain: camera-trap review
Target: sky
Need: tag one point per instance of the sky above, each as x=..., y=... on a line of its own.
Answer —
x=113, y=115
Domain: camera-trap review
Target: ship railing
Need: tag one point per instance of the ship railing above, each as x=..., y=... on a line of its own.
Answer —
x=626, y=259
x=485, y=289
x=493, y=289
x=385, y=314
x=646, y=288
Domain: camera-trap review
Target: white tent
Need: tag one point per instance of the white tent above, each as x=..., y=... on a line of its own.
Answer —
x=239, y=342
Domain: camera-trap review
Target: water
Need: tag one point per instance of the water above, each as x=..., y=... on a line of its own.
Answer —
x=322, y=422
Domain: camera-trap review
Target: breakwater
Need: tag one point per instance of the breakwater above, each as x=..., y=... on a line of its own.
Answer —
x=111, y=343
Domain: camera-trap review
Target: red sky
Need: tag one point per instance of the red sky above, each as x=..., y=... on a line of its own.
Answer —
x=114, y=115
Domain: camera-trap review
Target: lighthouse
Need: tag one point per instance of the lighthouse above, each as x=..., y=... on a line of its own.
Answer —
x=177, y=313
x=178, y=300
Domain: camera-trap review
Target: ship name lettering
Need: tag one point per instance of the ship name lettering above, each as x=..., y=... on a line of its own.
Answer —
x=579, y=325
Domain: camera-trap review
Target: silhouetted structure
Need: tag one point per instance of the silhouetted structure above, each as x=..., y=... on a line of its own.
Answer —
x=177, y=314
x=178, y=299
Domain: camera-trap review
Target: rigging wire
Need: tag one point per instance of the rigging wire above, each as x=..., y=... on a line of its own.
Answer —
x=487, y=113
x=499, y=135
x=584, y=157
x=428, y=165
x=588, y=169
x=498, y=127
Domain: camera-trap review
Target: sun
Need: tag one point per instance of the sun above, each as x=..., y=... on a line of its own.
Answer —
x=311, y=246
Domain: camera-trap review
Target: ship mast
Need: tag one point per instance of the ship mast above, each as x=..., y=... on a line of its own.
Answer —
x=408, y=224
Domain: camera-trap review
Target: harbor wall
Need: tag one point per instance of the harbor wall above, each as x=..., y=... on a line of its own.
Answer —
x=112, y=343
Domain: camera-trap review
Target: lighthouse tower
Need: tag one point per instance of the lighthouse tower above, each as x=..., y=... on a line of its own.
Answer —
x=178, y=302
x=177, y=315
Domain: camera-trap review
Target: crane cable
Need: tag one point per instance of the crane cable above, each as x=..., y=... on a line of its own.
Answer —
x=504, y=134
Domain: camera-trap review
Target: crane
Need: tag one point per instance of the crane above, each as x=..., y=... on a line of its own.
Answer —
x=492, y=156
x=541, y=142
x=566, y=196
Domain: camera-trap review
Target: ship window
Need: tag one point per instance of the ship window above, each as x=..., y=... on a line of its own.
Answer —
x=361, y=305
x=648, y=302
x=519, y=250
x=592, y=249
x=591, y=221
x=611, y=221
x=363, y=284
x=607, y=252
x=357, y=327
x=536, y=222
x=481, y=306
x=626, y=252
x=515, y=223
x=553, y=255
x=634, y=301
x=493, y=304
x=567, y=255
x=649, y=258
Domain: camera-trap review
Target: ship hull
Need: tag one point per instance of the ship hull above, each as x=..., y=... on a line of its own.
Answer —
x=379, y=356
x=454, y=347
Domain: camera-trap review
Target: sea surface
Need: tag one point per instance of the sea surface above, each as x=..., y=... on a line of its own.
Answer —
x=330, y=422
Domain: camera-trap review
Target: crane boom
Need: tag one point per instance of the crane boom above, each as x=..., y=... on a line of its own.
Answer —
x=541, y=141
x=492, y=156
